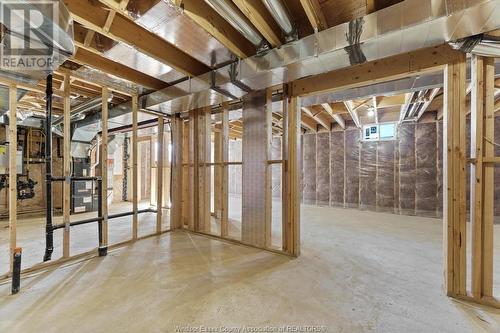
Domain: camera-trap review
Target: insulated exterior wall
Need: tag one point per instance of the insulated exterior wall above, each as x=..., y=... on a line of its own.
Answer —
x=426, y=169
x=323, y=168
x=337, y=156
x=368, y=175
x=400, y=176
x=309, y=168
x=254, y=168
x=385, y=176
x=407, y=179
x=352, y=168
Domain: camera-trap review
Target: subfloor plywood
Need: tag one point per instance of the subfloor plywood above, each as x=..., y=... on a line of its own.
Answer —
x=358, y=272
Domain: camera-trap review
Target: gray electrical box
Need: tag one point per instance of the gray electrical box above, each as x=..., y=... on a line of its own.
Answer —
x=4, y=160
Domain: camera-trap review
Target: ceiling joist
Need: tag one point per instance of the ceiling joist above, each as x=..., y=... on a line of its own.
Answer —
x=122, y=29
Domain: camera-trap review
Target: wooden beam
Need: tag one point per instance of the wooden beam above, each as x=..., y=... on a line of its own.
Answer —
x=405, y=106
x=135, y=160
x=259, y=16
x=159, y=174
x=66, y=166
x=308, y=122
x=94, y=16
x=12, y=173
x=338, y=118
x=86, y=57
x=390, y=68
x=428, y=102
x=353, y=113
x=316, y=116
x=314, y=14
x=200, y=12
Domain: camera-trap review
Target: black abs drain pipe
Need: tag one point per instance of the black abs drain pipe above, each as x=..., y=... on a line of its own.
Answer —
x=49, y=231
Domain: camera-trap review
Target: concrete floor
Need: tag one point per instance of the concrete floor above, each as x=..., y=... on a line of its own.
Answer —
x=359, y=272
x=31, y=234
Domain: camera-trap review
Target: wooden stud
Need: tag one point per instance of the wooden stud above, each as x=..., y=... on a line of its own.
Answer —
x=218, y=172
x=66, y=165
x=292, y=173
x=476, y=173
x=488, y=180
x=178, y=184
x=225, y=171
x=207, y=157
x=454, y=177
x=12, y=172
x=104, y=164
x=159, y=174
x=135, y=158
x=268, y=173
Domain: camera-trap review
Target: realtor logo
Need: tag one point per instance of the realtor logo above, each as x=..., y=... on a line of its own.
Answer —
x=27, y=34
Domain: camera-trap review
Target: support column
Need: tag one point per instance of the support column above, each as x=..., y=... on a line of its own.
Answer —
x=66, y=165
x=12, y=172
x=292, y=155
x=134, y=166
x=454, y=161
x=104, y=171
x=159, y=175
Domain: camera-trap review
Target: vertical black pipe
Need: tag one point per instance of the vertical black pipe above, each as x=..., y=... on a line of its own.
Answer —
x=49, y=236
x=103, y=250
x=16, y=271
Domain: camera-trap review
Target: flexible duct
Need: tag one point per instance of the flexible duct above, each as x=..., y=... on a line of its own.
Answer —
x=231, y=14
x=281, y=16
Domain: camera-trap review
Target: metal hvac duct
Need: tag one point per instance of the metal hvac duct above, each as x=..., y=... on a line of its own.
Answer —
x=61, y=35
x=407, y=26
x=82, y=108
x=281, y=16
x=231, y=14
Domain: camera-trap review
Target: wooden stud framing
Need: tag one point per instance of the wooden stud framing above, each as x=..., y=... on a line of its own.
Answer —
x=104, y=164
x=159, y=174
x=12, y=172
x=134, y=165
x=454, y=177
x=66, y=166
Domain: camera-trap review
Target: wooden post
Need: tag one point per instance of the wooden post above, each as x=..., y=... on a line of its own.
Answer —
x=66, y=165
x=207, y=157
x=176, y=216
x=268, y=173
x=218, y=171
x=225, y=171
x=454, y=177
x=195, y=179
x=292, y=173
x=159, y=175
x=134, y=165
x=12, y=172
x=104, y=164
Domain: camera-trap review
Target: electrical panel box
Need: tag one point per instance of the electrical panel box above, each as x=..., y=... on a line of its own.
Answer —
x=4, y=160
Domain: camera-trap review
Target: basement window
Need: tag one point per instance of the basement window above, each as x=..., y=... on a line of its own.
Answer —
x=379, y=132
